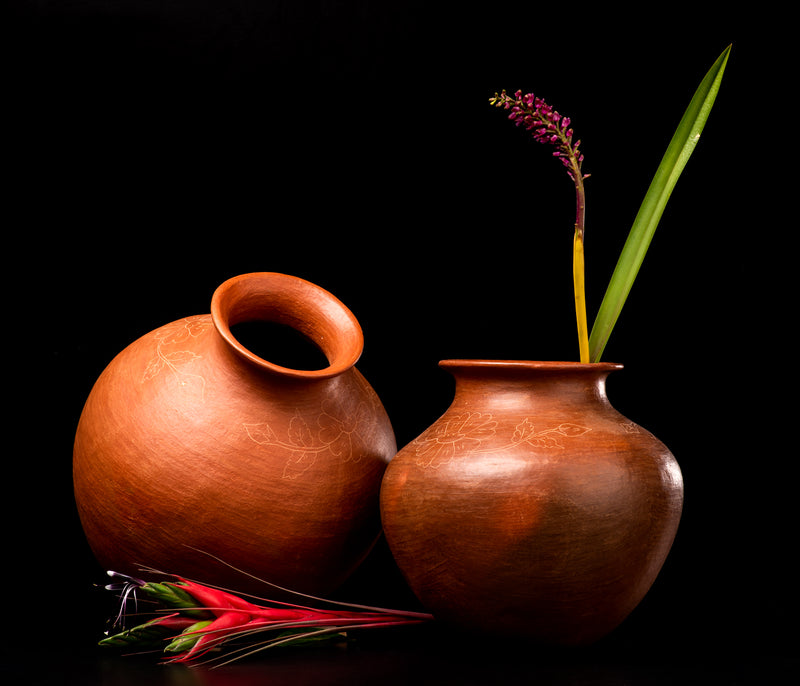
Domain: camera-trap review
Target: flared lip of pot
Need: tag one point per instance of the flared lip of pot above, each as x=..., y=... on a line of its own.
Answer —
x=528, y=365
x=336, y=332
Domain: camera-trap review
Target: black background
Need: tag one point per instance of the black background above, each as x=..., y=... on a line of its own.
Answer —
x=155, y=149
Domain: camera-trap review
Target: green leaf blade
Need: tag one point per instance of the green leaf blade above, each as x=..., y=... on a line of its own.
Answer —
x=669, y=170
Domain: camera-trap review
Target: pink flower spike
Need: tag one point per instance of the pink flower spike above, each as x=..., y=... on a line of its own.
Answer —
x=545, y=124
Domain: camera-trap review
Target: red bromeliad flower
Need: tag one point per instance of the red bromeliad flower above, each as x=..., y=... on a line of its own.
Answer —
x=198, y=619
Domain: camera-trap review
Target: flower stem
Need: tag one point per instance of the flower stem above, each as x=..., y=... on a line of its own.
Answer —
x=549, y=127
x=580, y=296
x=578, y=263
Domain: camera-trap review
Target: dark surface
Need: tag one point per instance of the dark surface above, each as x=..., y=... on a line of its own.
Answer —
x=404, y=663
x=157, y=149
x=653, y=648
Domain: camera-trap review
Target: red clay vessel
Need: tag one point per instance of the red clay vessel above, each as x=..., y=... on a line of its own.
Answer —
x=191, y=447
x=532, y=508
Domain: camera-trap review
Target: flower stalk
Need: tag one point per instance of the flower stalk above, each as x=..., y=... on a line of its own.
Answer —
x=549, y=127
x=193, y=620
x=579, y=286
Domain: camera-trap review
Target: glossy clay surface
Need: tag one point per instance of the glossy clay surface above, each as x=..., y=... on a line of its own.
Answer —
x=532, y=508
x=190, y=442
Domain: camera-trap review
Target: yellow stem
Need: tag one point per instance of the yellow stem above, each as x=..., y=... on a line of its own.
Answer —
x=580, y=295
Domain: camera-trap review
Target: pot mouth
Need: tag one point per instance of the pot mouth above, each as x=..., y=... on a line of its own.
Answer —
x=531, y=365
x=293, y=302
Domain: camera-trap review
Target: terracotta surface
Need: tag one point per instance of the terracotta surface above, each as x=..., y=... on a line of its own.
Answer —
x=532, y=507
x=190, y=442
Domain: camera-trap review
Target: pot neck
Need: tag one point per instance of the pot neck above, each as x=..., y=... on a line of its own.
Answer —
x=294, y=302
x=493, y=379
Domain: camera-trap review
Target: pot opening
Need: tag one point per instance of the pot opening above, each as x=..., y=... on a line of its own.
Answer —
x=279, y=344
x=290, y=313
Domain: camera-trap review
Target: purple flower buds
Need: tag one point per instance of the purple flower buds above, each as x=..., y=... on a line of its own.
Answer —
x=545, y=124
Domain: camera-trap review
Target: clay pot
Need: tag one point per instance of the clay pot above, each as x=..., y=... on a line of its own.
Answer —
x=192, y=446
x=531, y=508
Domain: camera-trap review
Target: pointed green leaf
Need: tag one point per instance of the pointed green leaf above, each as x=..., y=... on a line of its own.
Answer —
x=149, y=633
x=188, y=637
x=174, y=596
x=672, y=164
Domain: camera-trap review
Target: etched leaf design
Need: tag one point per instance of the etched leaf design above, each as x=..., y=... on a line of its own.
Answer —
x=171, y=334
x=568, y=429
x=523, y=430
x=261, y=433
x=544, y=440
x=299, y=463
x=179, y=357
x=153, y=368
x=330, y=428
x=299, y=433
x=197, y=327
x=459, y=436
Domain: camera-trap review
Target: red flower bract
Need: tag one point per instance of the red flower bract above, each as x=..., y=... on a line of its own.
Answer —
x=202, y=618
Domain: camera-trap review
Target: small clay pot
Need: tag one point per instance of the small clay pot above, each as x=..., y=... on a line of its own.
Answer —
x=532, y=508
x=193, y=454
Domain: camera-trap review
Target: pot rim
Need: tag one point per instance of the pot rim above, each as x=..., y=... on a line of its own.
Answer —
x=532, y=365
x=296, y=303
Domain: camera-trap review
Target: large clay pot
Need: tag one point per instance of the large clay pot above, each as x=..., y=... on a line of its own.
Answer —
x=532, y=508
x=192, y=446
